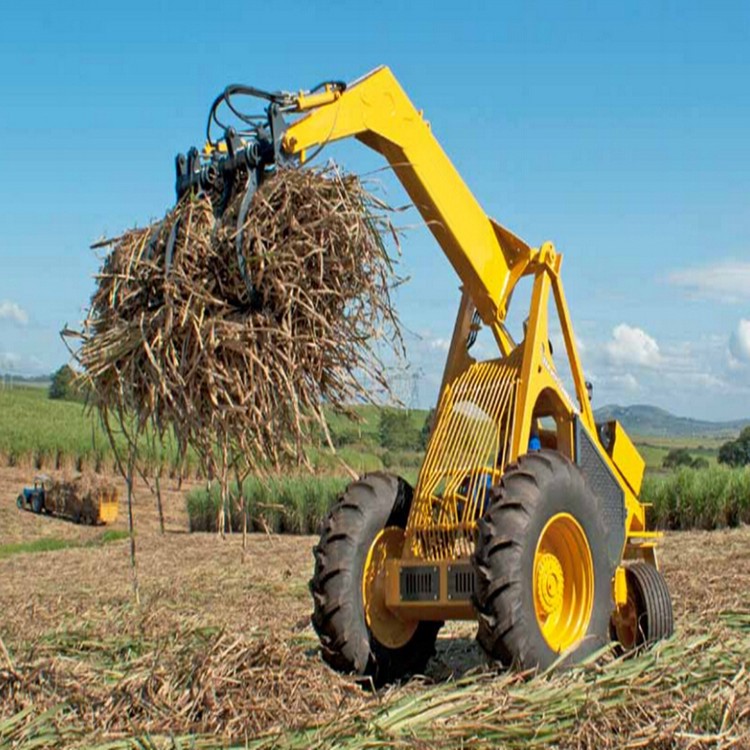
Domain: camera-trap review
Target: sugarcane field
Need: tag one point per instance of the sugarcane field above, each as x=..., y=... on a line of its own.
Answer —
x=303, y=446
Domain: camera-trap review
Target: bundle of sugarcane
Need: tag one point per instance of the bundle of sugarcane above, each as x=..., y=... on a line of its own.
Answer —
x=78, y=497
x=238, y=338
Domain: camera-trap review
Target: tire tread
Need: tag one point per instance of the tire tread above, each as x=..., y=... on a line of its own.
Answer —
x=346, y=643
x=503, y=535
x=653, y=595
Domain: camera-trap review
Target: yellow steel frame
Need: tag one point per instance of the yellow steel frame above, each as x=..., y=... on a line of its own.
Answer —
x=490, y=260
x=470, y=444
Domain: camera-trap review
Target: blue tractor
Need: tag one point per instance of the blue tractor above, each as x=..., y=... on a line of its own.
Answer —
x=32, y=498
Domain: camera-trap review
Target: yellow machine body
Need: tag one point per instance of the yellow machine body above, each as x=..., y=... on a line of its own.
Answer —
x=488, y=410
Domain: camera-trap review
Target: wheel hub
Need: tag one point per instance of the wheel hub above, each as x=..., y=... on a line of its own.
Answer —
x=550, y=583
x=563, y=582
x=384, y=624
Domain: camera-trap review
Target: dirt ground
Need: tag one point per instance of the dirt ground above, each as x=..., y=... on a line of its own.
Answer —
x=259, y=600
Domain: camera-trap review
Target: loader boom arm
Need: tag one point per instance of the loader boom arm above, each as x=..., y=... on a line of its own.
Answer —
x=488, y=258
x=377, y=112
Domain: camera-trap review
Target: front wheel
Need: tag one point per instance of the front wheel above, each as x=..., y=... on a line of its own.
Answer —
x=646, y=617
x=358, y=633
x=544, y=579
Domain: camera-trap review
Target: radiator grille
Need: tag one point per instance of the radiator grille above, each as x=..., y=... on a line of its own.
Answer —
x=461, y=582
x=420, y=583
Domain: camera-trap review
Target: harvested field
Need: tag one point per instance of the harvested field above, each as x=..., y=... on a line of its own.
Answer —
x=224, y=649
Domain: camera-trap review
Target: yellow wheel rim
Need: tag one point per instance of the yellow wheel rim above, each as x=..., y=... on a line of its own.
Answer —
x=387, y=627
x=563, y=582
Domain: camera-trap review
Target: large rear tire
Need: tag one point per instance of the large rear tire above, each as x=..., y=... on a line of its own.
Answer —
x=358, y=634
x=543, y=575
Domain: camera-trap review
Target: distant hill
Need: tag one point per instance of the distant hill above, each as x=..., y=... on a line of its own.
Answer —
x=652, y=421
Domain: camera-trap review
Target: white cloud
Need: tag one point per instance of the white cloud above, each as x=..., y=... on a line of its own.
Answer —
x=728, y=281
x=627, y=382
x=13, y=312
x=739, y=342
x=697, y=381
x=440, y=344
x=632, y=346
x=700, y=376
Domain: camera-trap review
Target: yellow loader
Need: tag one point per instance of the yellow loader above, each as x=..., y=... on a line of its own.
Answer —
x=525, y=516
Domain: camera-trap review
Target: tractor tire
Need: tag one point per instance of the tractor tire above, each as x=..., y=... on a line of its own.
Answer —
x=37, y=503
x=375, y=505
x=543, y=576
x=21, y=502
x=649, y=617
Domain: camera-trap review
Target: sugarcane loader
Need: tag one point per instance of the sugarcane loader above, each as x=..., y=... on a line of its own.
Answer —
x=525, y=515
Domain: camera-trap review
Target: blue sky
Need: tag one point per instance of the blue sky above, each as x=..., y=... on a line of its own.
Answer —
x=618, y=131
